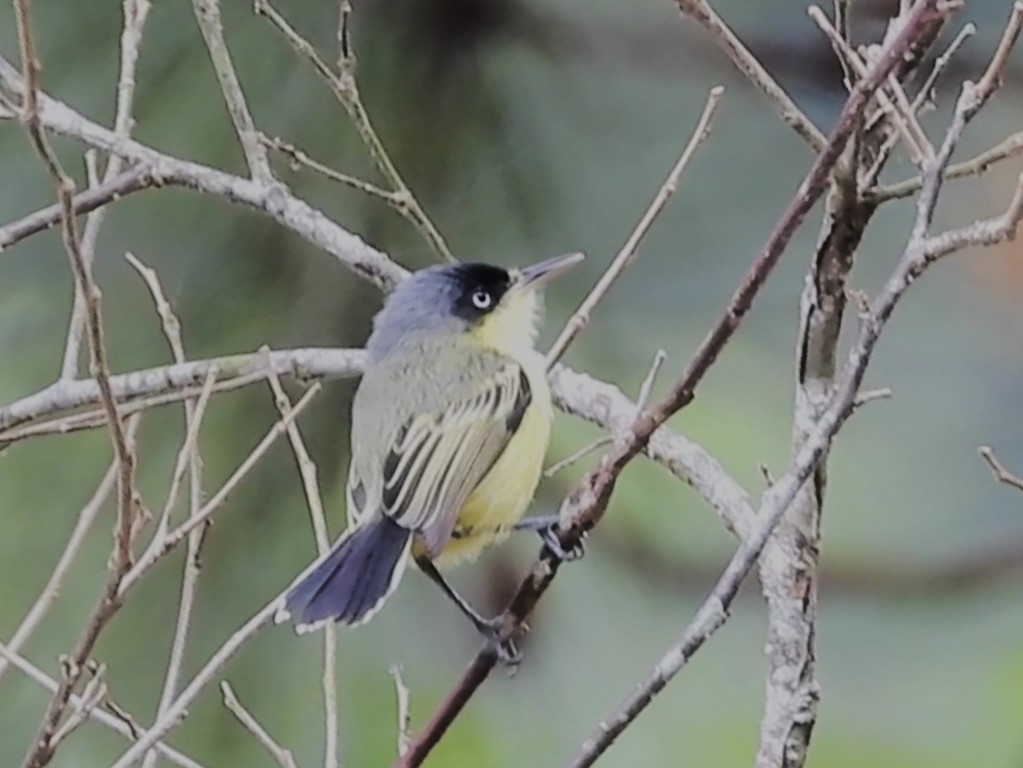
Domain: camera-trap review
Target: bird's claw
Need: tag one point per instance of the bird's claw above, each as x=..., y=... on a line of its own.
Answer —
x=507, y=651
x=552, y=542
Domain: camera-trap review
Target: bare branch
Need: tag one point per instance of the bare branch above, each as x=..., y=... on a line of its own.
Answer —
x=628, y=252
x=86, y=517
x=135, y=13
x=207, y=14
x=1004, y=150
x=722, y=36
x=307, y=470
x=161, y=545
x=404, y=717
x=346, y=90
x=279, y=753
x=288, y=210
x=119, y=723
x=1001, y=474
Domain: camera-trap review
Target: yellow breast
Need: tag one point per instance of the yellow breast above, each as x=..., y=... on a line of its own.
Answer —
x=503, y=496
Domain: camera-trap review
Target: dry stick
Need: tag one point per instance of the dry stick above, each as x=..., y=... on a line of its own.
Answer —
x=641, y=401
x=588, y=502
x=96, y=418
x=207, y=14
x=86, y=517
x=188, y=457
x=714, y=611
x=1011, y=147
x=998, y=469
x=901, y=115
x=298, y=157
x=275, y=201
x=702, y=12
x=307, y=471
x=346, y=90
x=118, y=723
x=926, y=90
x=135, y=13
x=279, y=753
x=312, y=362
x=398, y=201
x=205, y=676
x=161, y=546
x=41, y=751
x=401, y=696
x=134, y=179
x=630, y=249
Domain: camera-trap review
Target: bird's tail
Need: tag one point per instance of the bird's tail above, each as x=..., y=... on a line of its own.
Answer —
x=351, y=583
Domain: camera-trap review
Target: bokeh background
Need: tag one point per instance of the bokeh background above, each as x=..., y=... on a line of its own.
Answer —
x=530, y=128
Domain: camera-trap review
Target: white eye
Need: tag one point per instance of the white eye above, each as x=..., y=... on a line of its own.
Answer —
x=482, y=300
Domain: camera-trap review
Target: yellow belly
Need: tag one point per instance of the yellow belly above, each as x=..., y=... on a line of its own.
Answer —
x=503, y=496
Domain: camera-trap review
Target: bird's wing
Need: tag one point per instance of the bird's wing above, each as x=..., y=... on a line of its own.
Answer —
x=437, y=457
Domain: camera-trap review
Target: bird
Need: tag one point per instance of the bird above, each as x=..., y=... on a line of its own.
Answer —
x=449, y=429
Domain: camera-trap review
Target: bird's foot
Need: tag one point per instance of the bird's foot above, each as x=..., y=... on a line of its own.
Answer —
x=507, y=651
x=547, y=528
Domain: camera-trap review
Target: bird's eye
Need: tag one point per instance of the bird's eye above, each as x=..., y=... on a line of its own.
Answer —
x=482, y=300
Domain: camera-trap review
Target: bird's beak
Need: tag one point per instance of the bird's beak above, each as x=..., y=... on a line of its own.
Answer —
x=538, y=275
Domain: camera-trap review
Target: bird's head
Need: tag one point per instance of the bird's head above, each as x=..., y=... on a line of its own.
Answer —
x=497, y=307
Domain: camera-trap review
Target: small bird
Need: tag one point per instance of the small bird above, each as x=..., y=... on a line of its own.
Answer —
x=450, y=425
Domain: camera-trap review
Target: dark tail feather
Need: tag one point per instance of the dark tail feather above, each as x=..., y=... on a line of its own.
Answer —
x=351, y=584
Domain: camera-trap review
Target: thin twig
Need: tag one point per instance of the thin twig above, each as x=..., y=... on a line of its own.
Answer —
x=998, y=469
x=161, y=545
x=899, y=111
x=587, y=503
x=299, y=157
x=273, y=200
x=310, y=485
x=136, y=178
x=207, y=14
x=135, y=13
x=42, y=748
x=641, y=401
x=121, y=723
x=740, y=56
x=401, y=696
x=924, y=95
x=86, y=517
x=346, y=90
x=1011, y=147
x=629, y=250
x=279, y=753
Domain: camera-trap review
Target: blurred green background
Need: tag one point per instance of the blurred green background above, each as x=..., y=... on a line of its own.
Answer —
x=528, y=129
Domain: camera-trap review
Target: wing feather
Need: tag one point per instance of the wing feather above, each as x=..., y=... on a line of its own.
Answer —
x=437, y=459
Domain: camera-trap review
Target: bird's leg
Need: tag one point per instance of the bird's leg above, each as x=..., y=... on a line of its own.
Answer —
x=490, y=629
x=547, y=528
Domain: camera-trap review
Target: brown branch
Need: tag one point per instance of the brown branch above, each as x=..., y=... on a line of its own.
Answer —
x=581, y=317
x=43, y=746
x=135, y=13
x=120, y=722
x=588, y=502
